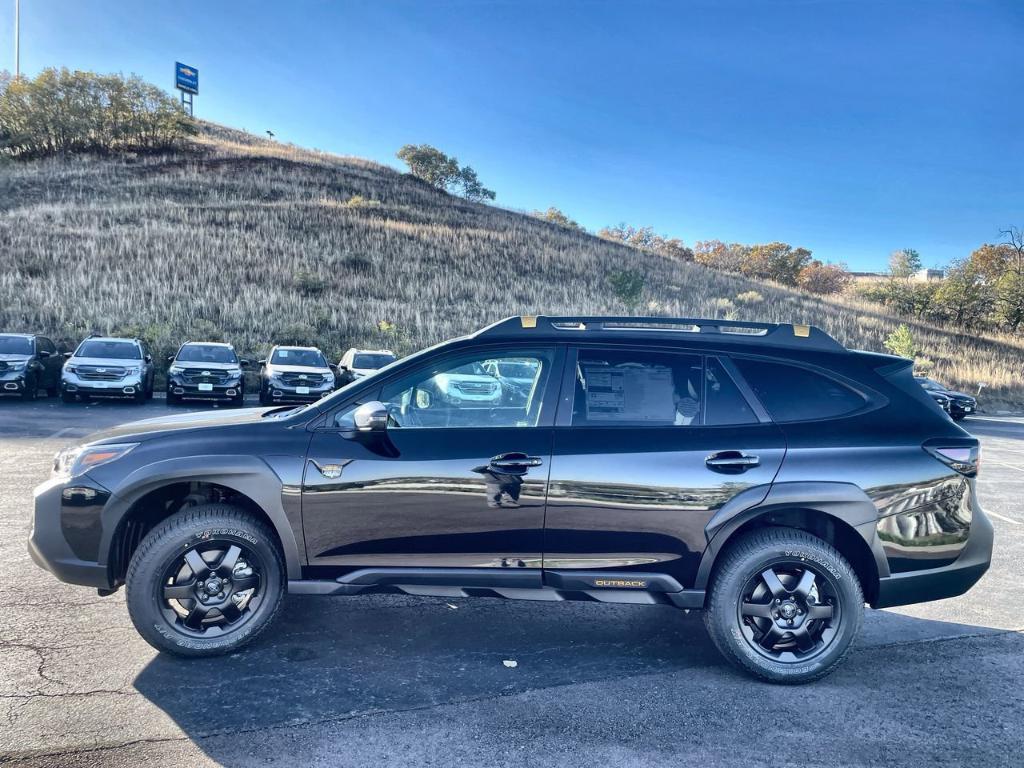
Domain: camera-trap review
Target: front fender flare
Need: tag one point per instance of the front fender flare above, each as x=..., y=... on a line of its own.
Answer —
x=248, y=475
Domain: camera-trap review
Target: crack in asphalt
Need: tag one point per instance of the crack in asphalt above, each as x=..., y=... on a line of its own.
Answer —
x=12, y=758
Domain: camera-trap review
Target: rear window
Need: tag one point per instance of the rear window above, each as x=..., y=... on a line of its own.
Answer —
x=366, y=360
x=110, y=350
x=790, y=393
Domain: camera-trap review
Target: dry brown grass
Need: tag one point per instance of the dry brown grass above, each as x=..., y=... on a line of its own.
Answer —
x=255, y=242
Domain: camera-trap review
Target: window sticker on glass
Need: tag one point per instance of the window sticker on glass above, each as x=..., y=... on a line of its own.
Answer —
x=633, y=393
x=283, y=352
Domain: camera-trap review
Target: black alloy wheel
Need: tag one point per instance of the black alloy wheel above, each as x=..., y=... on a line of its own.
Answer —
x=212, y=589
x=205, y=581
x=783, y=605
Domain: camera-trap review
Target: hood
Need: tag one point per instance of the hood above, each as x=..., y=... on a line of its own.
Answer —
x=136, y=431
x=105, y=362
x=958, y=395
x=278, y=368
x=206, y=366
x=12, y=357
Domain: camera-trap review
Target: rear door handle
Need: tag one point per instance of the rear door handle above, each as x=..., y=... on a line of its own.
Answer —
x=731, y=461
x=515, y=461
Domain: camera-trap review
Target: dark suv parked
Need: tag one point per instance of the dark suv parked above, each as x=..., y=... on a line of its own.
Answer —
x=28, y=363
x=760, y=472
x=957, y=404
x=206, y=370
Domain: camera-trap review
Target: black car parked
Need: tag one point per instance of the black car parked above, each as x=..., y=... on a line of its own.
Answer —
x=28, y=363
x=760, y=472
x=956, y=404
x=206, y=370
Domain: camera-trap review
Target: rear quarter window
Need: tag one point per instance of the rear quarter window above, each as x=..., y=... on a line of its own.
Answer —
x=791, y=393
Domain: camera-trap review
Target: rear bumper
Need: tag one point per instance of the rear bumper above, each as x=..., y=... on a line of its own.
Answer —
x=948, y=581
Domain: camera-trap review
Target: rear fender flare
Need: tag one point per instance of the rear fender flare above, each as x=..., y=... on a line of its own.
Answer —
x=843, y=501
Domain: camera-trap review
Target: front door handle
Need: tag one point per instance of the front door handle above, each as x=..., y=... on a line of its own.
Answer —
x=515, y=461
x=731, y=461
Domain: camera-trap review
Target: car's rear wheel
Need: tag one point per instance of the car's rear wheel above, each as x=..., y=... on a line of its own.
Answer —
x=784, y=605
x=205, y=581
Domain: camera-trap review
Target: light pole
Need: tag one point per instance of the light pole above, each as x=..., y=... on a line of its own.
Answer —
x=17, y=39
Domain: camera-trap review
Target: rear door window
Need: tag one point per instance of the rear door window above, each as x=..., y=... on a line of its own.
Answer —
x=791, y=393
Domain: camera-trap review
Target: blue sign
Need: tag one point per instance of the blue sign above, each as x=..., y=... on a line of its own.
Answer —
x=186, y=78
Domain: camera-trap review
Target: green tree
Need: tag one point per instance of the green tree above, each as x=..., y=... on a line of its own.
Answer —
x=556, y=216
x=964, y=298
x=823, y=279
x=904, y=263
x=443, y=171
x=901, y=342
x=627, y=285
x=60, y=111
x=775, y=261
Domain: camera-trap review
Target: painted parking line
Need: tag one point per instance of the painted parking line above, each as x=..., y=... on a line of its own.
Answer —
x=997, y=516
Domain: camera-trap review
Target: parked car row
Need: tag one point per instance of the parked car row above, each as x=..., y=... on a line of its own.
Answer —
x=111, y=367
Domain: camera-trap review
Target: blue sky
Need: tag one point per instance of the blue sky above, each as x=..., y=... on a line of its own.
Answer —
x=850, y=128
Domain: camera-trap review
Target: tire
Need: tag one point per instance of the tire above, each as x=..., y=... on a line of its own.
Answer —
x=31, y=389
x=67, y=397
x=173, y=399
x=238, y=400
x=149, y=391
x=161, y=563
x=744, y=612
x=139, y=397
x=52, y=391
x=265, y=398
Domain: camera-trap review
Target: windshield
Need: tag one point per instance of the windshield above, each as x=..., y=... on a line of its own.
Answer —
x=110, y=350
x=516, y=370
x=932, y=385
x=15, y=345
x=374, y=360
x=312, y=358
x=206, y=353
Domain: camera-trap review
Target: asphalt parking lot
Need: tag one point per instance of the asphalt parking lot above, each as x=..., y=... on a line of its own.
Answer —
x=400, y=681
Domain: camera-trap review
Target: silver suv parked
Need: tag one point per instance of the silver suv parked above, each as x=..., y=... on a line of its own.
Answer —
x=295, y=375
x=108, y=367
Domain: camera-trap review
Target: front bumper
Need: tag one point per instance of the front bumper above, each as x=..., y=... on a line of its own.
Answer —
x=67, y=529
x=949, y=580
x=129, y=386
x=961, y=409
x=12, y=383
x=230, y=390
x=283, y=393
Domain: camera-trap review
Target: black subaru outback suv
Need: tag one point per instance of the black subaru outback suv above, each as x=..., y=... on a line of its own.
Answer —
x=760, y=472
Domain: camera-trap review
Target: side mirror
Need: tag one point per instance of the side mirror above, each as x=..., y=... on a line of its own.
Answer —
x=149, y=358
x=170, y=358
x=243, y=363
x=371, y=417
x=333, y=367
x=262, y=361
x=43, y=354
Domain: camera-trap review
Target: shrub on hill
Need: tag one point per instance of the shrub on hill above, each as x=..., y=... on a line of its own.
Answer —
x=60, y=111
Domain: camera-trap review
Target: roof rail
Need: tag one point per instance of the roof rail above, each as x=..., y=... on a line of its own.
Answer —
x=740, y=331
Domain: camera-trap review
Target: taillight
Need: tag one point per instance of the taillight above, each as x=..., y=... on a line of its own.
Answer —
x=965, y=459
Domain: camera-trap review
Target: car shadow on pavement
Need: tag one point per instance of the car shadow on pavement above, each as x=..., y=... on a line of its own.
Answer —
x=329, y=660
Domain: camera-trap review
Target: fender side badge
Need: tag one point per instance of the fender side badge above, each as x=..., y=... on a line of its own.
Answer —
x=330, y=471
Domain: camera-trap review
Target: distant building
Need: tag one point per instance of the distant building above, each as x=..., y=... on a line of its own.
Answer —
x=928, y=276
x=869, y=277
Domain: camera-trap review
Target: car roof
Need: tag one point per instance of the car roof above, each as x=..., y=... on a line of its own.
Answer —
x=20, y=335
x=111, y=338
x=356, y=351
x=294, y=346
x=206, y=344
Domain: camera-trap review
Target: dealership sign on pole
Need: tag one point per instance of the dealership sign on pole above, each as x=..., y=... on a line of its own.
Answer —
x=186, y=80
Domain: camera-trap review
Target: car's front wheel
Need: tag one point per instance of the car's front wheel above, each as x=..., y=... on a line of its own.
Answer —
x=205, y=581
x=784, y=605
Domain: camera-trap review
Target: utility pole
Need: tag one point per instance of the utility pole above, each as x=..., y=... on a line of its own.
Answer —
x=17, y=39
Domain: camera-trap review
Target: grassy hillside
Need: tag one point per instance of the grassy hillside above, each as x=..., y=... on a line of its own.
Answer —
x=256, y=242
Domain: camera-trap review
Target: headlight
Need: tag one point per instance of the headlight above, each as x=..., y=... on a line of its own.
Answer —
x=17, y=366
x=328, y=378
x=79, y=459
x=69, y=368
x=132, y=371
x=234, y=371
x=175, y=369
